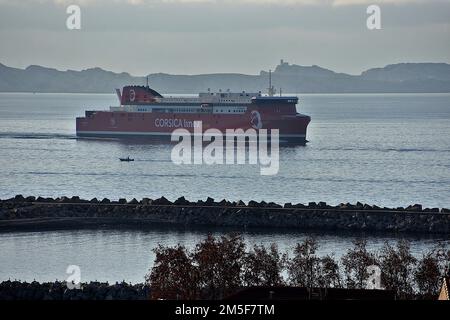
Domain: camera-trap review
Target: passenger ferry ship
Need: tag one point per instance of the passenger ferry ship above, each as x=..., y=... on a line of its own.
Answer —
x=144, y=112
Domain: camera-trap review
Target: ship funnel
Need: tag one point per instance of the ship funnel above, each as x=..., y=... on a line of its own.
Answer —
x=119, y=95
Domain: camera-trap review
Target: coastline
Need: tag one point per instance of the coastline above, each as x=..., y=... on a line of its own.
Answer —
x=37, y=214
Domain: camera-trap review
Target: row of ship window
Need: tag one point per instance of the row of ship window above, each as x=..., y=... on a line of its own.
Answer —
x=196, y=110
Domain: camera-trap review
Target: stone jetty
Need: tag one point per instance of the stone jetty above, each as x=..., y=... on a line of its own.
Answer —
x=32, y=213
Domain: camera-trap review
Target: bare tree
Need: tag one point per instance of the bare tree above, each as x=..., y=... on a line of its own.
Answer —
x=263, y=267
x=219, y=262
x=219, y=266
x=355, y=262
x=430, y=271
x=427, y=276
x=397, y=266
x=304, y=267
x=330, y=274
x=173, y=276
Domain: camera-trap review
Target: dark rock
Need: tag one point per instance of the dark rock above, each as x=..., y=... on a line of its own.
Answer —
x=105, y=201
x=274, y=205
x=416, y=207
x=30, y=199
x=122, y=201
x=240, y=204
x=367, y=207
x=263, y=204
x=146, y=201
x=288, y=205
x=253, y=204
x=162, y=201
x=133, y=201
x=16, y=290
x=19, y=198
x=64, y=200
x=312, y=205
x=322, y=204
x=94, y=200
x=75, y=199
x=180, y=201
x=209, y=201
x=224, y=203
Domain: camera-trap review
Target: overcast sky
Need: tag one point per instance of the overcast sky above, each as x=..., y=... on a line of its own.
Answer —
x=205, y=36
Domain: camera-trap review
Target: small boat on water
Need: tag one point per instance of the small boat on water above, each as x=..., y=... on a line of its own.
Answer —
x=127, y=159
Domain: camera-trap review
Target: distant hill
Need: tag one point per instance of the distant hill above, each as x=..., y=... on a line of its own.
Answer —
x=402, y=77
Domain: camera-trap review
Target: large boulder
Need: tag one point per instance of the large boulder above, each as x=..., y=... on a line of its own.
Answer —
x=133, y=201
x=224, y=203
x=19, y=198
x=253, y=203
x=162, y=201
x=240, y=203
x=209, y=201
x=94, y=200
x=322, y=205
x=63, y=199
x=274, y=205
x=416, y=207
x=75, y=199
x=181, y=201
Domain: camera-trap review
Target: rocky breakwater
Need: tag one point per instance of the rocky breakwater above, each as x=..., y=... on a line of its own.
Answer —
x=48, y=213
x=17, y=290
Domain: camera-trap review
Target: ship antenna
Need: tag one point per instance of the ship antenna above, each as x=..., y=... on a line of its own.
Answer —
x=270, y=82
x=147, y=81
x=271, y=89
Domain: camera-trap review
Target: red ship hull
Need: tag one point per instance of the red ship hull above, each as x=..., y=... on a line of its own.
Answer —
x=124, y=124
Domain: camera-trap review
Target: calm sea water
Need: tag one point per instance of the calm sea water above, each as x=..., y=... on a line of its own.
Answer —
x=113, y=255
x=390, y=150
